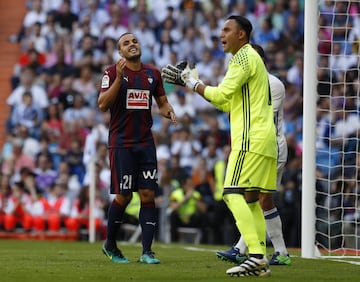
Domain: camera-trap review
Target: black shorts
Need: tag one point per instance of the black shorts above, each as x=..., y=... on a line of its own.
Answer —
x=132, y=169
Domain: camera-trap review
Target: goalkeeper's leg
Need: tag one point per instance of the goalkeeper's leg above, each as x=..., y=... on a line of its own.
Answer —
x=245, y=222
x=254, y=234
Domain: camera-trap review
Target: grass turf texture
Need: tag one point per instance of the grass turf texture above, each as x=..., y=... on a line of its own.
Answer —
x=55, y=261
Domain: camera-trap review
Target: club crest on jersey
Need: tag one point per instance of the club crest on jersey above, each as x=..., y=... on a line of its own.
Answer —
x=137, y=99
x=105, y=82
x=150, y=79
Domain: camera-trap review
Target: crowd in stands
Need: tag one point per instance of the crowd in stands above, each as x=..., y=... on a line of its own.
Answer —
x=55, y=128
x=338, y=125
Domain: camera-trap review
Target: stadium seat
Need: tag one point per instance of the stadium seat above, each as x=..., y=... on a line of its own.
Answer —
x=132, y=232
x=189, y=235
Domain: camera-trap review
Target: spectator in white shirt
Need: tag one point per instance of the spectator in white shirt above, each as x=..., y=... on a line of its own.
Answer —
x=35, y=14
x=114, y=29
x=341, y=62
x=295, y=73
x=205, y=67
x=186, y=148
x=99, y=134
x=27, y=83
x=40, y=42
x=27, y=114
x=98, y=17
x=164, y=48
x=87, y=46
x=78, y=112
x=144, y=34
x=183, y=105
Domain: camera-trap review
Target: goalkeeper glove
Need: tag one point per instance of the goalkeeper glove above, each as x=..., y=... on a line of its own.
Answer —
x=182, y=74
x=172, y=74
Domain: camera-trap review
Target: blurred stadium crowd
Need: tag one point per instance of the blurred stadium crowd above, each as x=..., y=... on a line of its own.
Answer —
x=55, y=129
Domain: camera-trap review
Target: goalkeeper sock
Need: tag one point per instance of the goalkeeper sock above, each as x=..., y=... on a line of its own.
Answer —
x=147, y=219
x=115, y=216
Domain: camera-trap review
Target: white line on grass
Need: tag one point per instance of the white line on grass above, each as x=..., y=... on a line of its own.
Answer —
x=196, y=249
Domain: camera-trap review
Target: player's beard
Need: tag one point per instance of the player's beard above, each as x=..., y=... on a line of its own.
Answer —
x=134, y=58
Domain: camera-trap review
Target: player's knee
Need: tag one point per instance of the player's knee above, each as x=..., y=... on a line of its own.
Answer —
x=123, y=200
x=252, y=197
x=146, y=195
x=227, y=198
x=266, y=201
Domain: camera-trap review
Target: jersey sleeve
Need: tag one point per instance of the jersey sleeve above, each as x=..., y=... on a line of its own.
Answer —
x=223, y=107
x=222, y=94
x=159, y=91
x=108, y=78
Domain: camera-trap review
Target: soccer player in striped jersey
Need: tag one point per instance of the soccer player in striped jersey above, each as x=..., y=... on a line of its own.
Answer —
x=244, y=93
x=127, y=89
x=272, y=218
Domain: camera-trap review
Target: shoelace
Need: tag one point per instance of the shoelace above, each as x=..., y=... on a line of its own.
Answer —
x=150, y=254
x=117, y=252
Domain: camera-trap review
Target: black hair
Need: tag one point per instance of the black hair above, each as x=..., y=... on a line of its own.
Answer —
x=243, y=23
x=121, y=36
x=27, y=93
x=259, y=49
x=125, y=33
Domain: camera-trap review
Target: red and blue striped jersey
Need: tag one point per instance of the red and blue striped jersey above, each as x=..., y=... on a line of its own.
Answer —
x=131, y=118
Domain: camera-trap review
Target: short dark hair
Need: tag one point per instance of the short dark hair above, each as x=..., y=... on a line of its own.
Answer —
x=121, y=36
x=243, y=23
x=27, y=93
x=125, y=33
x=259, y=49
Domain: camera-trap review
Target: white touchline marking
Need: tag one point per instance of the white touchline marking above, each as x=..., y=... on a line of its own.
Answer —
x=196, y=249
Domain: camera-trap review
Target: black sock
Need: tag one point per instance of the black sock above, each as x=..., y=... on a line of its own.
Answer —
x=115, y=215
x=147, y=218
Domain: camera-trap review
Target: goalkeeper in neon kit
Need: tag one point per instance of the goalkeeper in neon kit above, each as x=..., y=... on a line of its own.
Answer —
x=273, y=221
x=244, y=93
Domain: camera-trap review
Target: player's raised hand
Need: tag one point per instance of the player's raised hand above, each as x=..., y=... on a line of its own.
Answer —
x=120, y=65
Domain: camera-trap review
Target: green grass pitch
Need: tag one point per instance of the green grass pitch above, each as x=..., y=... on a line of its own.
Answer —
x=56, y=261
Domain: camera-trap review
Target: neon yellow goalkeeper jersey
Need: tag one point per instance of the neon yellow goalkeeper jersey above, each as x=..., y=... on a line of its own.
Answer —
x=245, y=94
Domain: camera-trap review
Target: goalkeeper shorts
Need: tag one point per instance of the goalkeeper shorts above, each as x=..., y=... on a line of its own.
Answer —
x=250, y=171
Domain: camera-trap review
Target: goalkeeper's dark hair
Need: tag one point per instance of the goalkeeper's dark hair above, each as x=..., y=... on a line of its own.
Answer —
x=243, y=23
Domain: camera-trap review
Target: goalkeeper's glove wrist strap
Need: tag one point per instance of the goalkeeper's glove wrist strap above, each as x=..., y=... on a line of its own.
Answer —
x=196, y=85
x=192, y=83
